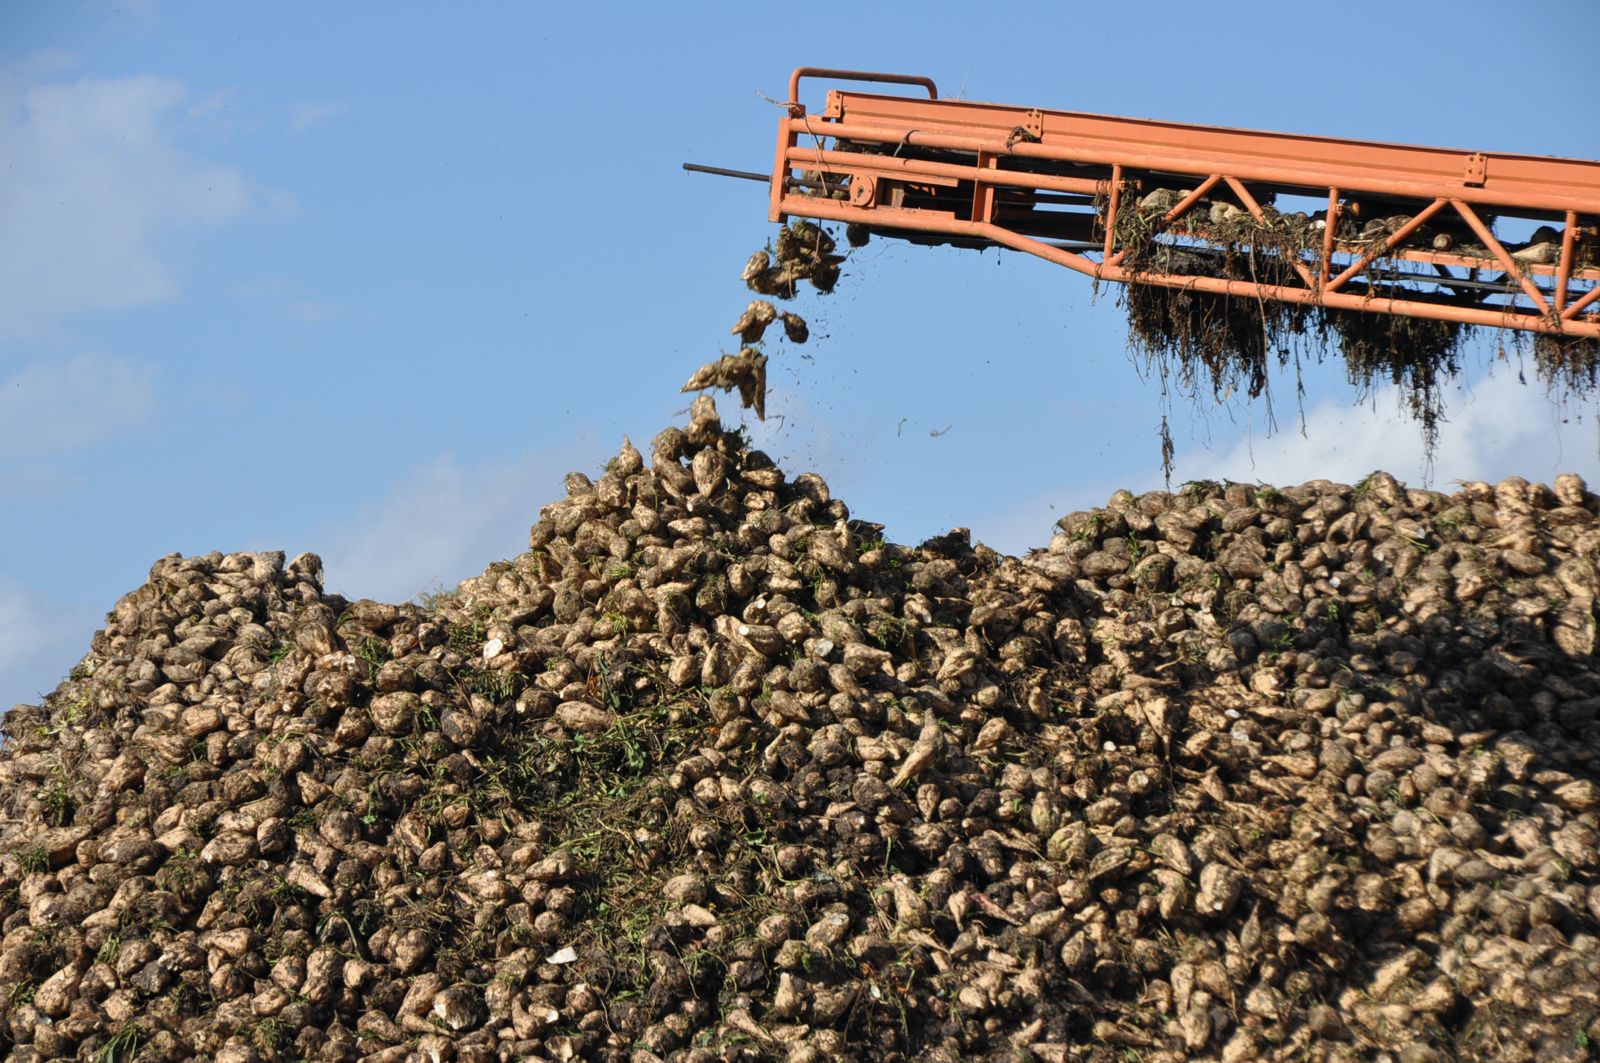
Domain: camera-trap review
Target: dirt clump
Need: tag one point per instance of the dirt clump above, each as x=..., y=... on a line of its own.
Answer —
x=714, y=771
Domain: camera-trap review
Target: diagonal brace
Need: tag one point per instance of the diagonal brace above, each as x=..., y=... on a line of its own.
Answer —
x=1501, y=254
x=1571, y=313
x=1178, y=210
x=1395, y=240
x=1254, y=208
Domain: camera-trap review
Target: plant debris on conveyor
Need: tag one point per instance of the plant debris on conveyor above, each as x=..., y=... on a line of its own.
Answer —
x=1231, y=342
x=715, y=772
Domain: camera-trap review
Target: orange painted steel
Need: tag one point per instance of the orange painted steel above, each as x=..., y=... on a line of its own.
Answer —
x=1395, y=240
x=1055, y=183
x=1564, y=269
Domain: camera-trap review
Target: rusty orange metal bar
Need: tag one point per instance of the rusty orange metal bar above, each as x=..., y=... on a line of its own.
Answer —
x=1395, y=240
x=1111, y=208
x=1182, y=207
x=1330, y=226
x=1569, y=233
x=800, y=73
x=983, y=192
x=1446, y=258
x=1254, y=208
x=1571, y=313
x=1178, y=210
x=780, y=171
x=1288, y=170
x=932, y=166
x=1501, y=254
x=1509, y=180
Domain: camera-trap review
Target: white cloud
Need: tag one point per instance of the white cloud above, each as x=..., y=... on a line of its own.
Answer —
x=94, y=180
x=39, y=642
x=443, y=522
x=48, y=410
x=311, y=113
x=1496, y=428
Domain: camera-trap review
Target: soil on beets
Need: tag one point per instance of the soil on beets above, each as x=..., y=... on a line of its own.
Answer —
x=713, y=771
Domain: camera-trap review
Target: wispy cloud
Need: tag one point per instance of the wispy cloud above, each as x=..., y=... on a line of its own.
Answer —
x=94, y=179
x=285, y=296
x=52, y=409
x=444, y=521
x=304, y=116
x=216, y=112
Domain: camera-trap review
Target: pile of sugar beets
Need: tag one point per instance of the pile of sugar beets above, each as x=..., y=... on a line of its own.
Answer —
x=714, y=772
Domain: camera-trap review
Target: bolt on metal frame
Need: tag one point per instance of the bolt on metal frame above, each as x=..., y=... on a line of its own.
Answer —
x=1054, y=183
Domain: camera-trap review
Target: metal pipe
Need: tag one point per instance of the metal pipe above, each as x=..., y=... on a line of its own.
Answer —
x=1449, y=258
x=854, y=75
x=719, y=171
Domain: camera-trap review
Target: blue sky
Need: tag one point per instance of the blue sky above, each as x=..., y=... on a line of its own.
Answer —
x=367, y=279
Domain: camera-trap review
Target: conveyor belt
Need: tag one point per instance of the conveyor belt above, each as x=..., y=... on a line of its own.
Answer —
x=1098, y=193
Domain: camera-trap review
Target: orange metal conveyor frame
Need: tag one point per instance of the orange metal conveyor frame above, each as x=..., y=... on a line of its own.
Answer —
x=1056, y=183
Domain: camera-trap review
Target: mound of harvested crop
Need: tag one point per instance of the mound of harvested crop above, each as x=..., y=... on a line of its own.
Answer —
x=714, y=772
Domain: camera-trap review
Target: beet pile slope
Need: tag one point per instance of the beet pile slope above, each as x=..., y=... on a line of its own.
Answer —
x=714, y=772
